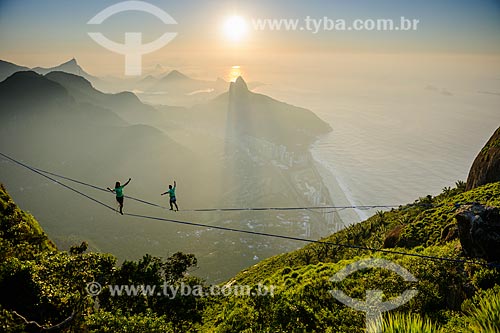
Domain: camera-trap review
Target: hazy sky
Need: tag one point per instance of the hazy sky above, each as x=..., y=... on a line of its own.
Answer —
x=35, y=32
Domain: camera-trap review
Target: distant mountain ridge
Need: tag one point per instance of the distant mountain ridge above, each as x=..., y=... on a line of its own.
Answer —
x=22, y=88
x=175, y=75
x=71, y=66
x=256, y=114
x=125, y=104
x=76, y=107
x=8, y=68
x=166, y=88
x=239, y=111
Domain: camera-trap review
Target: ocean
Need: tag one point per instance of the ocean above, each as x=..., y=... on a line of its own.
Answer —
x=397, y=133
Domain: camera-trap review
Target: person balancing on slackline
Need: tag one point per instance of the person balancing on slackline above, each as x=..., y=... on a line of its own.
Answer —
x=171, y=193
x=119, y=193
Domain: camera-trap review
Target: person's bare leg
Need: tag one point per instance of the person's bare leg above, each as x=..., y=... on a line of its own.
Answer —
x=171, y=207
x=121, y=208
x=177, y=207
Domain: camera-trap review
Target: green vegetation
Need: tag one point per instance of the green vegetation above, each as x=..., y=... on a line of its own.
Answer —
x=493, y=144
x=39, y=283
x=20, y=234
x=408, y=323
x=484, y=311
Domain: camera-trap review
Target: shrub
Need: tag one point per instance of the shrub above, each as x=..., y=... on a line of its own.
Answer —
x=408, y=323
x=485, y=315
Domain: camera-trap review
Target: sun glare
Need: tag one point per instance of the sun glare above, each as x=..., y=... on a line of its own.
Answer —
x=234, y=73
x=235, y=28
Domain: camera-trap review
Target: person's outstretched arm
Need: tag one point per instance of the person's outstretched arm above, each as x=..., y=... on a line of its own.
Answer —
x=175, y=184
x=112, y=191
x=128, y=181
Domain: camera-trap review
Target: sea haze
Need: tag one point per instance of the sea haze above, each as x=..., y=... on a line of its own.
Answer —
x=403, y=126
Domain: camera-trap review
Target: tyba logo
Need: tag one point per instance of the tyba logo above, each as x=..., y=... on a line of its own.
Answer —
x=373, y=306
x=133, y=49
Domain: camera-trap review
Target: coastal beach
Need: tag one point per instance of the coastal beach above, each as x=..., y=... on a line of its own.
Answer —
x=413, y=165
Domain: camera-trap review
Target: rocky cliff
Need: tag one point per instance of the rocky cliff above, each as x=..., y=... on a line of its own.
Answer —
x=486, y=166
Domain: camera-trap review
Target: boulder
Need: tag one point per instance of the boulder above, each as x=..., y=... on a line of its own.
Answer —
x=449, y=232
x=479, y=231
x=392, y=238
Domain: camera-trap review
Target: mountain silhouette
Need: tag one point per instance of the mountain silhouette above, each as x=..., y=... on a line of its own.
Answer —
x=70, y=66
x=243, y=112
x=27, y=86
x=172, y=88
x=8, y=68
x=177, y=88
x=145, y=82
x=175, y=81
x=124, y=104
x=67, y=118
x=175, y=75
x=238, y=86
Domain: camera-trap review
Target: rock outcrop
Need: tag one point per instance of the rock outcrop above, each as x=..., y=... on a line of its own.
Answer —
x=486, y=166
x=479, y=231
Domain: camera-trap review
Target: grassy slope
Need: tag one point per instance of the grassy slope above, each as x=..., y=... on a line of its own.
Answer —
x=301, y=278
x=422, y=225
x=20, y=233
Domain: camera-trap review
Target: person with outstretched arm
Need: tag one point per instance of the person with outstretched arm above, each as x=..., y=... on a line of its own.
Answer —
x=119, y=193
x=171, y=193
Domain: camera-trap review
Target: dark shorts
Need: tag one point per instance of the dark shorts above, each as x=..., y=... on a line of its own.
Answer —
x=173, y=199
x=120, y=200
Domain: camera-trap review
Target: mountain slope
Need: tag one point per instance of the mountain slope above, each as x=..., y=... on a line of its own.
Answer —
x=486, y=166
x=36, y=98
x=39, y=113
x=23, y=88
x=176, y=88
x=452, y=296
x=36, y=280
x=21, y=235
x=175, y=75
x=301, y=278
x=424, y=223
x=242, y=112
x=71, y=66
x=8, y=68
x=177, y=82
x=263, y=116
x=125, y=104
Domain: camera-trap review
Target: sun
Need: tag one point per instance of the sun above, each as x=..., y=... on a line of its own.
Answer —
x=235, y=28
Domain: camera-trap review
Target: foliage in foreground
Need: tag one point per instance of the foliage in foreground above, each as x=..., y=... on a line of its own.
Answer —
x=408, y=323
x=301, y=277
